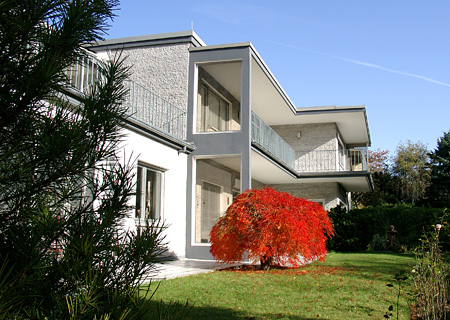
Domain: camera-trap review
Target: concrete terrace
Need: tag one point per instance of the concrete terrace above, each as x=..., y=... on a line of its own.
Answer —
x=185, y=267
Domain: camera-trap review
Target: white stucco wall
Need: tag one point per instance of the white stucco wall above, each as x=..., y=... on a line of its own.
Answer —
x=142, y=148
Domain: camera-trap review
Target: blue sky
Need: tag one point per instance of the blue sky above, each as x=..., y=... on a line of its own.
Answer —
x=391, y=56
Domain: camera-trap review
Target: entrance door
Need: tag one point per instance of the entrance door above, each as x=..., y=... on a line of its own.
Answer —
x=210, y=209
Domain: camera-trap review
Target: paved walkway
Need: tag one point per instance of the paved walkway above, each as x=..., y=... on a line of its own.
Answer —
x=186, y=267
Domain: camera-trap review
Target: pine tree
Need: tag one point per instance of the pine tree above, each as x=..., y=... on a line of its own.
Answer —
x=64, y=188
x=439, y=192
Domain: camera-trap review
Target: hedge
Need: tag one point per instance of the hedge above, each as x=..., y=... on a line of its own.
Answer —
x=355, y=230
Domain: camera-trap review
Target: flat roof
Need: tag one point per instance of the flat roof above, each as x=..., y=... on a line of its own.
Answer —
x=149, y=40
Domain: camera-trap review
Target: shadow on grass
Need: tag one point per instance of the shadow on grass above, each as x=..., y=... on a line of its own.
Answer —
x=177, y=311
x=374, y=264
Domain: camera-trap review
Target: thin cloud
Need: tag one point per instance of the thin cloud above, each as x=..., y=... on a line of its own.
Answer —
x=370, y=65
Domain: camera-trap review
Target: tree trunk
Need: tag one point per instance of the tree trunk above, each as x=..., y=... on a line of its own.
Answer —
x=266, y=263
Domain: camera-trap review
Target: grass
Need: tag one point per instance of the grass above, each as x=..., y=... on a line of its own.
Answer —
x=344, y=286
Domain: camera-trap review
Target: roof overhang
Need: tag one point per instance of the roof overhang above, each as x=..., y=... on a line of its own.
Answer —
x=147, y=40
x=271, y=103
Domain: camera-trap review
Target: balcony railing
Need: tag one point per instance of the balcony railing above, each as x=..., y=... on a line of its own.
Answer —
x=84, y=73
x=266, y=138
x=148, y=107
x=332, y=160
x=143, y=105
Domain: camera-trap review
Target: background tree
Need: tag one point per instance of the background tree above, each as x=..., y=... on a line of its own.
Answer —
x=411, y=166
x=439, y=192
x=385, y=191
x=378, y=160
x=271, y=227
x=63, y=191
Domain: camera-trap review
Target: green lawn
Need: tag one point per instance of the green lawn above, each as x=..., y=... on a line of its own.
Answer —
x=345, y=286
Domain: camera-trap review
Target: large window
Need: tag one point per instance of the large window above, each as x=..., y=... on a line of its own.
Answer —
x=148, y=193
x=210, y=209
x=214, y=110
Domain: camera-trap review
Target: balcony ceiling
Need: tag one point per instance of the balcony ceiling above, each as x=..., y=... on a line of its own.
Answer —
x=272, y=104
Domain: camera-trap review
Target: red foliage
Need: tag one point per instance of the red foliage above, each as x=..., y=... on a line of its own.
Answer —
x=272, y=227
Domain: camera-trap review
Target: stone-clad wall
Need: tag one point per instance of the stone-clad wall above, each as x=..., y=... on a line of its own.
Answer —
x=321, y=136
x=162, y=69
x=329, y=193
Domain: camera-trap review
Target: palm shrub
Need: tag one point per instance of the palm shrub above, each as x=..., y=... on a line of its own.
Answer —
x=64, y=186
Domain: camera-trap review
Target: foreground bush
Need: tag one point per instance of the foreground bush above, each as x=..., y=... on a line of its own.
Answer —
x=64, y=192
x=271, y=227
x=430, y=278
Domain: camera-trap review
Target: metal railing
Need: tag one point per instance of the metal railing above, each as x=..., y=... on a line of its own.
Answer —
x=265, y=137
x=83, y=74
x=148, y=107
x=142, y=104
x=332, y=160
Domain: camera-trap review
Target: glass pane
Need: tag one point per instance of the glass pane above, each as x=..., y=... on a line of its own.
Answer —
x=214, y=113
x=223, y=116
x=152, y=195
x=148, y=194
x=138, y=193
x=203, y=108
x=210, y=209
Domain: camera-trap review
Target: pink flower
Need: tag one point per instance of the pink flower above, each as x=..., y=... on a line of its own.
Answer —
x=438, y=226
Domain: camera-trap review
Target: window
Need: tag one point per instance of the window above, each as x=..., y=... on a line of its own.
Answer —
x=214, y=111
x=210, y=209
x=148, y=193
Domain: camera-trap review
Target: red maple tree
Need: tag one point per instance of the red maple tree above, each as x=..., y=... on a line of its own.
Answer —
x=271, y=227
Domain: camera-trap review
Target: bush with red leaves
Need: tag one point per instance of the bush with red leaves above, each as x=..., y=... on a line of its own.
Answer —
x=271, y=227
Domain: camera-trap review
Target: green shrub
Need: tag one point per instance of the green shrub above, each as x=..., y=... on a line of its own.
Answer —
x=378, y=243
x=355, y=230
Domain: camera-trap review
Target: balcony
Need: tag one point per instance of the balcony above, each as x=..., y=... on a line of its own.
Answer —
x=146, y=106
x=332, y=160
x=142, y=104
x=270, y=142
x=81, y=75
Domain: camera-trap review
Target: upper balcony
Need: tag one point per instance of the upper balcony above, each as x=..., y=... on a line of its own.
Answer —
x=311, y=161
x=323, y=161
x=266, y=139
x=143, y=106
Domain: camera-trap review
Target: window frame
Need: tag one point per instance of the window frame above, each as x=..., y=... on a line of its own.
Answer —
x=204, y=117
x=142, y=171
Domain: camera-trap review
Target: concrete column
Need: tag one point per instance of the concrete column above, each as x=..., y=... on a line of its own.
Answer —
x=246, y=121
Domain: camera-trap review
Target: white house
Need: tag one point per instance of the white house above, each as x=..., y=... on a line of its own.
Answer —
x=208, y=122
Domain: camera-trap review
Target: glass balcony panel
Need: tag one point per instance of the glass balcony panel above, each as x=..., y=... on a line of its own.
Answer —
x=265, y=137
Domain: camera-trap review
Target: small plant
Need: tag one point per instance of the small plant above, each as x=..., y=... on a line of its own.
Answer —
x=378, y=243
x=399, y=278
x=430, y=279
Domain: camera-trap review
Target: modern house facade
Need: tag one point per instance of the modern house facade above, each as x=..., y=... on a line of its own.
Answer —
x=207, y=122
